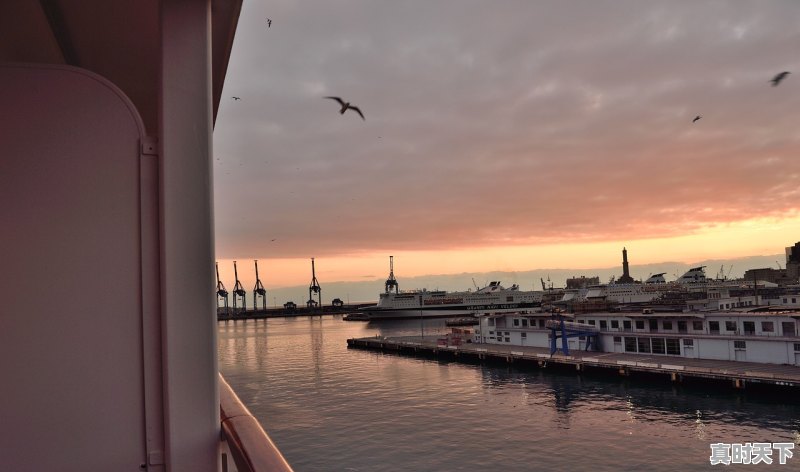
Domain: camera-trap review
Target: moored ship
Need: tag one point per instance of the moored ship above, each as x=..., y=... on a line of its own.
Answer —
x=439, y=303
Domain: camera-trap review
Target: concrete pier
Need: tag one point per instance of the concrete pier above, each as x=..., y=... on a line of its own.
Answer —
x=281, y=312
x=739, y=374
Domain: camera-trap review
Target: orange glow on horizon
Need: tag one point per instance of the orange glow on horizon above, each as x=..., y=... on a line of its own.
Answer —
x=724, y=241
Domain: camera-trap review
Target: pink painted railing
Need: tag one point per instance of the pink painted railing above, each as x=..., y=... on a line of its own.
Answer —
x=250, y=447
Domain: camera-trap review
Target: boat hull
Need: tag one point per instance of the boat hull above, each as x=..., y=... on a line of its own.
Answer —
x=377, y=313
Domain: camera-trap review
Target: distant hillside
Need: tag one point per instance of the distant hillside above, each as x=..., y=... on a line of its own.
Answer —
x=367, y=291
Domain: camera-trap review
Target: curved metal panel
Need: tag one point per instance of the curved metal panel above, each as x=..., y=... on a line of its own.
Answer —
x=71, y=339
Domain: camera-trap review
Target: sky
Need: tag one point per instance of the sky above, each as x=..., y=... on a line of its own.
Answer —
x=505, y=136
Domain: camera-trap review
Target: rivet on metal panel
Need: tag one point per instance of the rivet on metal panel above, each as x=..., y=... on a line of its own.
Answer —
x=150, y=146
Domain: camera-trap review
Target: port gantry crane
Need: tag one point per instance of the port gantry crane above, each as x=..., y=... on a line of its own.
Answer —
x=259, y=291
x=391, y=282
x=314, y=288
x=221, y=292
x=238, y=291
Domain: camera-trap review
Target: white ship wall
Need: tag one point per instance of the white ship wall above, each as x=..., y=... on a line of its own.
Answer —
x=774, y=348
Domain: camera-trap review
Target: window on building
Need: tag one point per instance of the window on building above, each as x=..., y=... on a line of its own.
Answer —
x=673, y=347
x=630, y=344
x=491, y=333
x=491, y=321
x=614, y=324
x=740, y=345
x=516, y=321
x=788, y=328
x=667, y=325
x=653, y=325
x=768, y=326
x=643, y=344
x=713, y=326
x=592, y=322
x=682, y=327
x=541, y=323
x=603, y=324
x=688, y=342
x=508, y=340
x=796, y=347
x=618, y=339
x=697, y=325
x=639, y=324
x=524, y=322
x=730, y=326
x=523, y=335
x=794, y=300
x=749, y=327
x=658, y=345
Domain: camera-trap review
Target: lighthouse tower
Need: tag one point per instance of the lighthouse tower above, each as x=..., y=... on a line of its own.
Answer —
x=626, y=276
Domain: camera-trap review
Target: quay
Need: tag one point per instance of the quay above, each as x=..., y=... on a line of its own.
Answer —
x=282, y=312
x=677, y=369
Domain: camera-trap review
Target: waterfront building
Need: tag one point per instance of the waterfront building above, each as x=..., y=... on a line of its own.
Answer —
x=744, y=334
x=582, y=281
x=793, y=263
x=776, y=276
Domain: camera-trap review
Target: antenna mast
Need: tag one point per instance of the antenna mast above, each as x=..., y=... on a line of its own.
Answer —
x=259, y=291
x=391, y=281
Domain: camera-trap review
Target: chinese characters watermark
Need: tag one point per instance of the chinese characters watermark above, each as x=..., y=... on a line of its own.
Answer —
x=750, y=453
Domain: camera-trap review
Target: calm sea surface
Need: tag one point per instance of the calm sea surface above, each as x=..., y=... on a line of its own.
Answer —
x=330, y=408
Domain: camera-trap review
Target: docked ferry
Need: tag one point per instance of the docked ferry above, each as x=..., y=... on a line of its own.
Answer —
x=439, y=303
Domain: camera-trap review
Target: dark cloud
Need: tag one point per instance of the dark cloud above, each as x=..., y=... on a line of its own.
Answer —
x=501, y=123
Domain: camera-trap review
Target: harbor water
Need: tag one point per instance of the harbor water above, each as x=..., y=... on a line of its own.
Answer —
x=331, y=408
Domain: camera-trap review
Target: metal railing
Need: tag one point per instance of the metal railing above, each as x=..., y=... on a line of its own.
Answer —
x=250, y=446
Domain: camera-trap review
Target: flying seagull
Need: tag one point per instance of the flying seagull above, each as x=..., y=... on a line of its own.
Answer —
x=696, y=118
x=346, y=105
x=236, y=98
x=777, y=79
x=269, y=22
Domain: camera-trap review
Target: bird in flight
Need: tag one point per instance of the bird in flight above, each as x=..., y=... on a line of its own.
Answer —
x=346, y=106
x=269, y=22
x=778, y=78
x=696, y=118
x=236, y=98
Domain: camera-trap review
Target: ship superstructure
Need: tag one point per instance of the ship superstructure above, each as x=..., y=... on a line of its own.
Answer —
x=439, y=303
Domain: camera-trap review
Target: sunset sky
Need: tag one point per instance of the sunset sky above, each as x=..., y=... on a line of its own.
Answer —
x=505, y=135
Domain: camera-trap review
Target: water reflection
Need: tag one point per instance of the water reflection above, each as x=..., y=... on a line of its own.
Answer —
x=700, y=430
x=325, y=404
